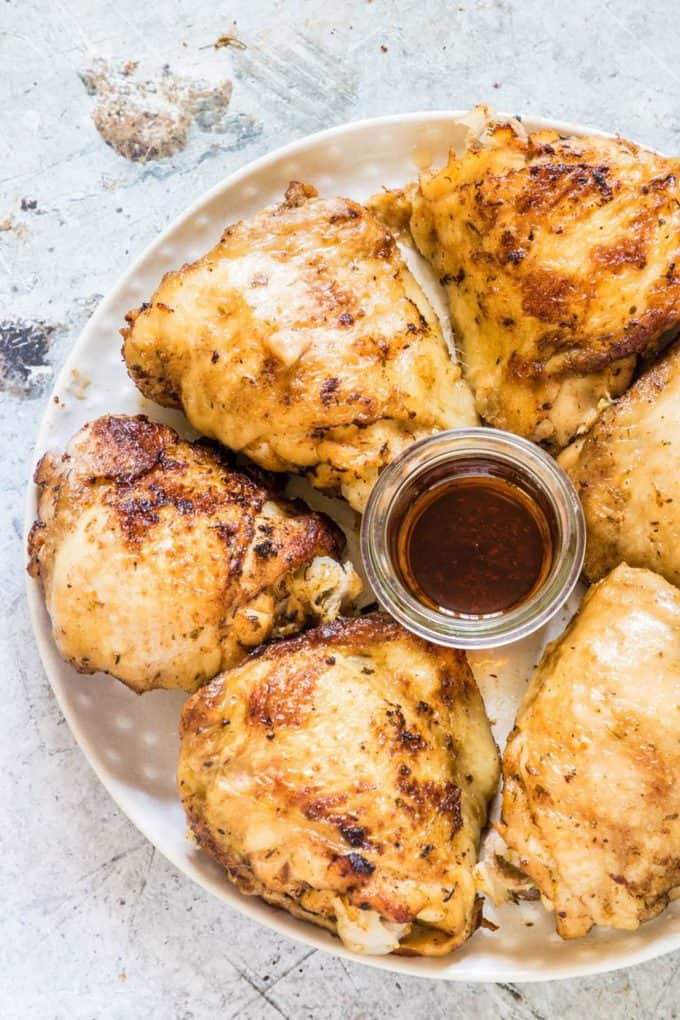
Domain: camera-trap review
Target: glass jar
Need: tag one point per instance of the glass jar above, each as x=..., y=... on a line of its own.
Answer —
x=432, y=461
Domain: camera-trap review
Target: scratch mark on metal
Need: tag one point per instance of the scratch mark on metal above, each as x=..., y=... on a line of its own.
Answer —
x=303, y=75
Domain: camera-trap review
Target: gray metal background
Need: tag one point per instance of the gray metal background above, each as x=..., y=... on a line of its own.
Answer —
x=94, y=923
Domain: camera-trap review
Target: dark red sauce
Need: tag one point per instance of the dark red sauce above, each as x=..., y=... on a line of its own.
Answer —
x=474, y=544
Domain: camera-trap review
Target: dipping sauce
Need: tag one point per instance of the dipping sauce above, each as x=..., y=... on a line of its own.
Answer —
x=474, y=545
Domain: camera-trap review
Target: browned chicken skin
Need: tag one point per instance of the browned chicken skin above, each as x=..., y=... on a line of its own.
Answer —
x=345, y=776
x=162, y=565
x=591, y=801
x=626, y=471
x=302, y=340
x=561, y=259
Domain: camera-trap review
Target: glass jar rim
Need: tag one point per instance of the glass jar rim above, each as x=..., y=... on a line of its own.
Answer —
x=470, y=631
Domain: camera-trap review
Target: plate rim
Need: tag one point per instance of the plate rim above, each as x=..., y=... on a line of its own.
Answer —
x=251, y=906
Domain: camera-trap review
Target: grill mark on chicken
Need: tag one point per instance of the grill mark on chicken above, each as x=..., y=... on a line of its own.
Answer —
x=279, y=380
x=452, y=685
x=283, y=699
x=578, y=234
x=143, y=534
x=628, y=251
x=265, y=549
x=354, y=866
x=427, y=797
x=363, y=630
x=127, y=448
x=404, y=738
x=333, y=833
x=322, y=806
x=139, y=513
x=323, y=809
x=328, y=389
x=355, y=835
x=555, y=183
x=547, y=295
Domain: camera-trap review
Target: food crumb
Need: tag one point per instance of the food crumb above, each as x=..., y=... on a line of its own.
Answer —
x=147, y=118
x=229, y=40
x=79, y=384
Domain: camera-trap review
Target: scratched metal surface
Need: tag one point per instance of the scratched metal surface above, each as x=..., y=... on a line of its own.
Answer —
x=94, y=923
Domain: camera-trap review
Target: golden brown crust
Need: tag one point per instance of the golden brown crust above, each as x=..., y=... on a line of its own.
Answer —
x=625, y=472
x=125, y=448
x=297, y=194
x=346, y=774
x=303, y=340
x=159, y=561
x=559, y=259
x=282, y=699
x=591, y=806
x=361, y=630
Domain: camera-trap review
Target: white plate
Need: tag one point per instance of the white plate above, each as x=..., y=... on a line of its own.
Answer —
x=132, y=741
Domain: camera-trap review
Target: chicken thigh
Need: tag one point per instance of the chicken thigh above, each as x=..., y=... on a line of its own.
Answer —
x=591, y=802
x=345, y=776
x=302, y=340
x=561, y=259
x=626, y=471
x=162, y=565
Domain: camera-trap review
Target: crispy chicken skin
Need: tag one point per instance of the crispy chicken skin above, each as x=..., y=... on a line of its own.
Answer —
x=303, y=340
x=344, y=775
x=162, y=565
x=561, y=259
x=626, y=471
x=591, y=802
